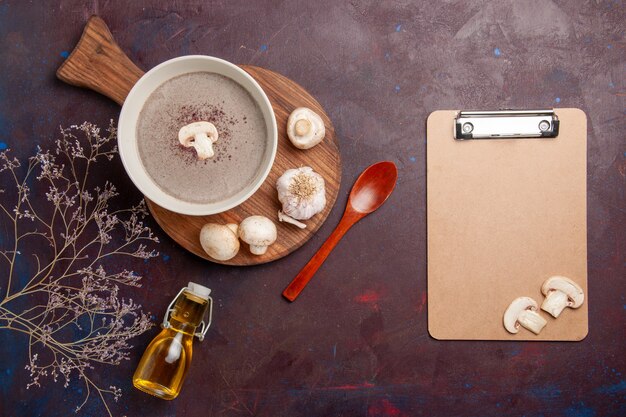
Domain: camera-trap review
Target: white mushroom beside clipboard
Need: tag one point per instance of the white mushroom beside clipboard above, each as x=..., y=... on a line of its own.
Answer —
x=560, y=292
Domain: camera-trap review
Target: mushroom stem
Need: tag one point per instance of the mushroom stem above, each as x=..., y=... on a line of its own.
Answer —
x=555, y=303
x=203, y=145
x=302, y=127
x=532, y=321
x=258, y=250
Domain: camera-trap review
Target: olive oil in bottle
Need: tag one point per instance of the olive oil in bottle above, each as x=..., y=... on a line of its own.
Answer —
x=165, y=362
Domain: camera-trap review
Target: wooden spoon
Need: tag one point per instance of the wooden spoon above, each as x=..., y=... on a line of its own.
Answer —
x=369, y=192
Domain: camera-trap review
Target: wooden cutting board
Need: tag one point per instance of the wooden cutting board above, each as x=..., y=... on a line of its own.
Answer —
x=98, y=63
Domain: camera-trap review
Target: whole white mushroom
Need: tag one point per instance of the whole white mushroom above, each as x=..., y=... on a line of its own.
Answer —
x=259, y=232
x=220, y=241
x=305, y=128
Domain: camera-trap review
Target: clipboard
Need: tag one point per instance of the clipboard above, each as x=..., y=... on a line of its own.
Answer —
x=506, y=209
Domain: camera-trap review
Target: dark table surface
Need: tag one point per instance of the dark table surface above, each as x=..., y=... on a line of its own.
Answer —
x=356, y=343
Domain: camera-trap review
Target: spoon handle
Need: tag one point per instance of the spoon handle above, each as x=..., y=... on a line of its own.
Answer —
x=304, y=276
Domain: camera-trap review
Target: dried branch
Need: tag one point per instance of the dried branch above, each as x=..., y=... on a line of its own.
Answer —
x=70, y=306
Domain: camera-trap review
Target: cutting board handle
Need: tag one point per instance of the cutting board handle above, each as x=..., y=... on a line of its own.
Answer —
x=98, y=63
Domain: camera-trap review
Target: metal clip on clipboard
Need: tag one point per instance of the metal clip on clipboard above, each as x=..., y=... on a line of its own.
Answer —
x=506, y=124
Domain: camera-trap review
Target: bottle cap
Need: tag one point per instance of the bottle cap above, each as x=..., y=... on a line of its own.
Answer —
x=199, y=290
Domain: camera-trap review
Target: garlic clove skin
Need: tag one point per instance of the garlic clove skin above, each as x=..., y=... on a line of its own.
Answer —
x=305, y=128
x=283, y=218
x=301, y=192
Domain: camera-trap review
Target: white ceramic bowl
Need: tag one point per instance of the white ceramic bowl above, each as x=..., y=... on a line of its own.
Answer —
x=127, y=127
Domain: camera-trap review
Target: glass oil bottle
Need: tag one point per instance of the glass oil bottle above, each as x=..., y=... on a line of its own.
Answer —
x=165, y=362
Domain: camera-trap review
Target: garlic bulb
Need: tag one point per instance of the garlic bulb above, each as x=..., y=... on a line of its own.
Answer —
x=301, y=192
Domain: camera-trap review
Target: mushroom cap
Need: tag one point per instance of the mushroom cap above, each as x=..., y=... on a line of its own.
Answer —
x=186, y=135
x=305, y=136
x=574, y=293
x=514, y=310
x=258, y=231
x=219, y=241
x=234, y=228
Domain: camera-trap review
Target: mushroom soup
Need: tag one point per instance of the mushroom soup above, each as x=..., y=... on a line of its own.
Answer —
x=238, y=152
